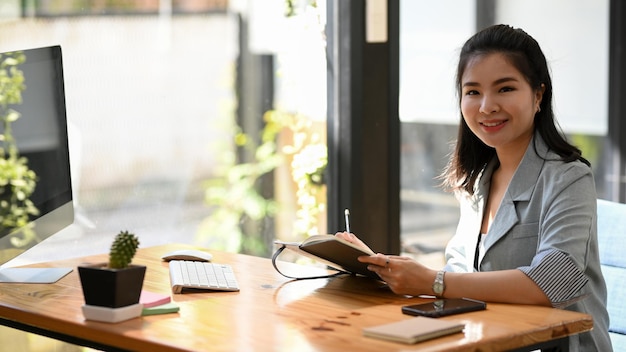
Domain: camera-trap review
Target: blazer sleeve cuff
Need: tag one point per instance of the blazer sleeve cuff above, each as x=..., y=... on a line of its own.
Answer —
x=558, y=276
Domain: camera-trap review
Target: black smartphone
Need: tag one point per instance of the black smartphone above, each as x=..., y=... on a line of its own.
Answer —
x=446, y=306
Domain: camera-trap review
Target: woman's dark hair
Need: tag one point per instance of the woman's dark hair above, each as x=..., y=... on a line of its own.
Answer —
x=471, y=155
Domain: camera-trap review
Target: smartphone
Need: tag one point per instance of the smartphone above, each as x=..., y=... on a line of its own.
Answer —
x=443, y=307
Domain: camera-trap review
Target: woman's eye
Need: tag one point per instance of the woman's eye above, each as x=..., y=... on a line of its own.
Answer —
x=471, y=92
x=507, y=89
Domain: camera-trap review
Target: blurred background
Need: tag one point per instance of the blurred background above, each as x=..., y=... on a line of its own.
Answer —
x=204, y=121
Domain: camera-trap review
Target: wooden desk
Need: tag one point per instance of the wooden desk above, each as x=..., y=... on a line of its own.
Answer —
x=269, y=313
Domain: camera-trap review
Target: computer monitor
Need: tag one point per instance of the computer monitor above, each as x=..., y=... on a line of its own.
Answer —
x=40, y=134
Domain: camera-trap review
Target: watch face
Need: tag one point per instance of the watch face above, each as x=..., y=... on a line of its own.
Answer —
x=438, y=288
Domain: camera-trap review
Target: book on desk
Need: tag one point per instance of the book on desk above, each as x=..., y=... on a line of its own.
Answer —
x=414, y=330
x=330, y=250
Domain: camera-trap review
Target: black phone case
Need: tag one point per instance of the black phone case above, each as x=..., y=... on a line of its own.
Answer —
x=443, y=307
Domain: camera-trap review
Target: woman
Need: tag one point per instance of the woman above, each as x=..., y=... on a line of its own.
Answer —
x=527, y=232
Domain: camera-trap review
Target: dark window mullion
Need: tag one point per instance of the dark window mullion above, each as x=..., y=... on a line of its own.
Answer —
x=616, y=144
x=363, y=126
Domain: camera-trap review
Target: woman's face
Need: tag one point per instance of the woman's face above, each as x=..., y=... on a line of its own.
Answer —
x=497, y=102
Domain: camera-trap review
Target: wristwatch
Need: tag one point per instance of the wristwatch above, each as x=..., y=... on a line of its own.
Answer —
x=438, y=285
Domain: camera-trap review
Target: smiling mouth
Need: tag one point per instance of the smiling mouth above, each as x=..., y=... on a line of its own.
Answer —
x=492, y=124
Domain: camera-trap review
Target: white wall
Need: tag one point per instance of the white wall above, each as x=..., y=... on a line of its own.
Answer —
x=148, y=97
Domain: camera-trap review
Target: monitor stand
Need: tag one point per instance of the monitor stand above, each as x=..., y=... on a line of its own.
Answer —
x=32, y=275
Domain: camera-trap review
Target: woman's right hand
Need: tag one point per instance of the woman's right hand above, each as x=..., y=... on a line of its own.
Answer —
x=353, y=239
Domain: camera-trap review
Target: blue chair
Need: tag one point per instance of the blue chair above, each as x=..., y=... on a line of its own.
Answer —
x=612, y=244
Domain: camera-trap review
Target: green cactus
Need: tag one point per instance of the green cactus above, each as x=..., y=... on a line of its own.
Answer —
x=123, y=250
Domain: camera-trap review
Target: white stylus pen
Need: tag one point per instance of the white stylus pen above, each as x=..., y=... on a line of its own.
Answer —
x=347, y=214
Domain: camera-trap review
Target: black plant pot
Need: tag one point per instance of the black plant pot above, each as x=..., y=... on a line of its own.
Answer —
x=112, y=288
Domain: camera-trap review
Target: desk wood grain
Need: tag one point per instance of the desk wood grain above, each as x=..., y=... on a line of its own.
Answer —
x=271, y=313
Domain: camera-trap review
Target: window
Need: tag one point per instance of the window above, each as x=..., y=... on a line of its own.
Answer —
x=432, y=33
x=157, y=93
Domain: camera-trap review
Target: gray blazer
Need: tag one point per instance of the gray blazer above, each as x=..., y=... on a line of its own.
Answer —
x=546, y=227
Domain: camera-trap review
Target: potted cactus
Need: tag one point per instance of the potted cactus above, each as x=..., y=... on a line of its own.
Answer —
x=116, y=283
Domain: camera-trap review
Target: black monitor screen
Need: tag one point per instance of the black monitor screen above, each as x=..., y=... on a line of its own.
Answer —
x=34, y=151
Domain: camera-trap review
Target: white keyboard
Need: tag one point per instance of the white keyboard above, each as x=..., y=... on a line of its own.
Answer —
x=201, y=275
